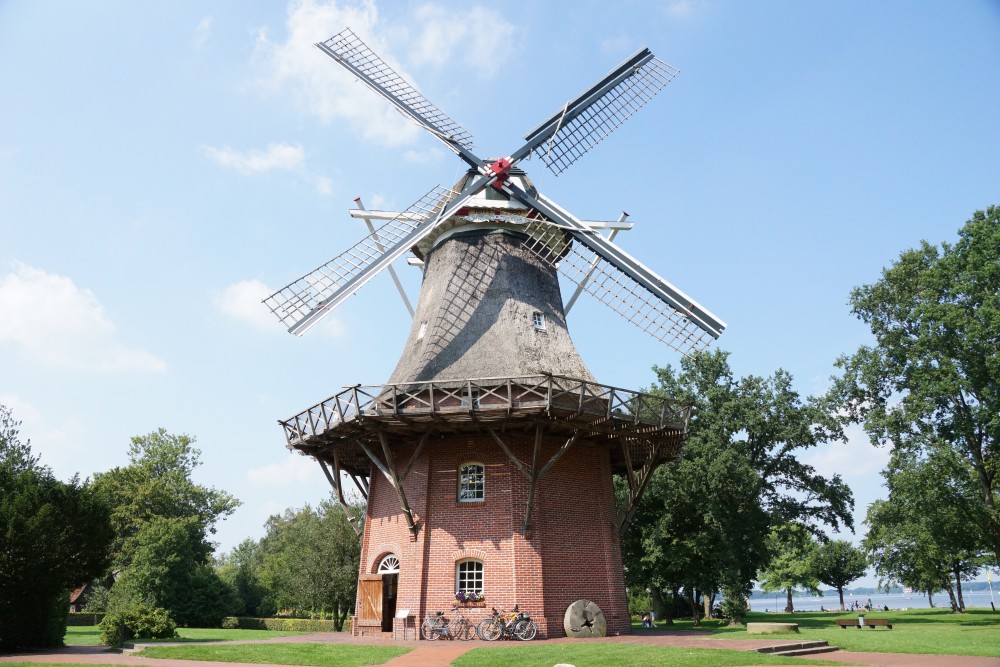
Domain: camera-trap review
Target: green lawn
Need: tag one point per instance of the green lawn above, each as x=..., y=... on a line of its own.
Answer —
x=602, y=654
x=930, y=631
x=319, y=655
x=87, y=635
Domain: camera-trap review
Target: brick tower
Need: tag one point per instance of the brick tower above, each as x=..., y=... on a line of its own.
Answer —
x=487, y=458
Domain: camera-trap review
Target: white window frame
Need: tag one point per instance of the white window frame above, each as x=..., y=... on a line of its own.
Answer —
x=473, y=484
x=477, y=577
x=538, y=320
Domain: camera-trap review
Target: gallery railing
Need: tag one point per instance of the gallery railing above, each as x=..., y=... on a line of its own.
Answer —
x=486, y=397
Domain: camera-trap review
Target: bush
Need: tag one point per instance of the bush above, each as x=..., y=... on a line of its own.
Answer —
x=138, y=621
x=84, y=618
x=281, y=624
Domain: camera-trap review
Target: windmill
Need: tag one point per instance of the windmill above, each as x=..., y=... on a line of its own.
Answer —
x=491, y=439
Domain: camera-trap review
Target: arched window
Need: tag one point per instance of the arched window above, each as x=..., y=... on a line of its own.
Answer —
x=471, y=482
x=469, y=577
x=388, y=565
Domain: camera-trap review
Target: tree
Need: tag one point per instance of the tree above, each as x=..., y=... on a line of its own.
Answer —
x=240, y=569
x=169, y=568
x=703, y=523
x=837, y=563
x=162, y=521
x=310, y=560
x=921, y=534
x=930, y=379
x=792, y=547
x=54, y=536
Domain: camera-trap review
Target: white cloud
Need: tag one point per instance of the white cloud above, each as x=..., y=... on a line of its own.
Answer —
x=202, y=32
x=61, y=325
x=292, y=469
x=434, y=36
x=317, y=84
x=444, y=37
x=680, y=9
x=857, y=459
x=242, y=301
x=56, y=447
x=277, y=156
x=430, y=155
x=281, y=157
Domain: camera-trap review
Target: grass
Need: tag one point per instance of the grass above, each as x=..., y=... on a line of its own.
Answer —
x=318, y=655
x=88, y=635
x=927, y=631
x=620, y=655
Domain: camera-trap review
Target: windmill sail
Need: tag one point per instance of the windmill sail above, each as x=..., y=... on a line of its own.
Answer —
x=618, y=280
x=350, y=52
x=586, y=121
x=303, y=303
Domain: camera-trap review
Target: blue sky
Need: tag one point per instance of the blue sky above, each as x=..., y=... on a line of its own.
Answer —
x=163, y=166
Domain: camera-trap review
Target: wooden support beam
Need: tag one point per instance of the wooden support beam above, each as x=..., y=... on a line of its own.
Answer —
x=506, y=450
x=391, y=463
x=416, y=453
x=535, y=473
x=532, y=480
x=334, y=480
x=361, y=483
x=639, y=487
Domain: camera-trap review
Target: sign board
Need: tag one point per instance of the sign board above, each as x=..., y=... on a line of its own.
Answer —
x=402, y=613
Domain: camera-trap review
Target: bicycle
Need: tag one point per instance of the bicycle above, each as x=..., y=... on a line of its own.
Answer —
x=435, y=627
x=504, y=624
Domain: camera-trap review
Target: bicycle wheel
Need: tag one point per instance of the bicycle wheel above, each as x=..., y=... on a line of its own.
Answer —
x=427, y=630
x=490, y=629
x=525, y=630
x=465, y=630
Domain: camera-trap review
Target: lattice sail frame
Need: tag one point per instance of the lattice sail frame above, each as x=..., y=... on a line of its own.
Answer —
x=348, y=49
x=580, y=134
x=301, y=297
x=615, y=289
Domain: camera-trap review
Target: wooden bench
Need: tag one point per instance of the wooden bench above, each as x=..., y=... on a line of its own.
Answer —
x=869, y=623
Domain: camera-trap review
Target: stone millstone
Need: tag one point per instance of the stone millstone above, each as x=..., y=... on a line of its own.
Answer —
x=584, y=619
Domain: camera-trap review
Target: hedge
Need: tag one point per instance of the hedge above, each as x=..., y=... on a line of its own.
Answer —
x=283, y=624
x=84, y=618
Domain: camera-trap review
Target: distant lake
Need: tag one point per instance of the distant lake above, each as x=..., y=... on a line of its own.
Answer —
x=895, y=601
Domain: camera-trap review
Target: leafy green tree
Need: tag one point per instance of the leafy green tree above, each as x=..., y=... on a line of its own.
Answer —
x=703, y=523
x=54, y=536
x=837, y=563
x=921, y=534
x=240, y=569
x=162, y=521
x=169, y=568
x=793, y=548
x=930, y=379
x=310, y=560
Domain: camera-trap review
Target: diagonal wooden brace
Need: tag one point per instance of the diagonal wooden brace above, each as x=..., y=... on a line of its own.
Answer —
x=535, y=473
x=334, y=479
x=388, y=469
x=637, y=484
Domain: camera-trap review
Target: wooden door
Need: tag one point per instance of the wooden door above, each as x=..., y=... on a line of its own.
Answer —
x=370, y=598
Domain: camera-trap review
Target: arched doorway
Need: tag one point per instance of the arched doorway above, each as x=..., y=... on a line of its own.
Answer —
x=388, y=568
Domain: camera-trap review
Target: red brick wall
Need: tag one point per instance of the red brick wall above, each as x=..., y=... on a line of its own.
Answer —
x=572, y=551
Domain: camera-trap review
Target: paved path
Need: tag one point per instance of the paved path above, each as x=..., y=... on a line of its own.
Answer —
x=441, y=653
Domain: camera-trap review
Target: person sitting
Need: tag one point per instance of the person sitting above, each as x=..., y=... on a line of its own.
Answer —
x=645, y=620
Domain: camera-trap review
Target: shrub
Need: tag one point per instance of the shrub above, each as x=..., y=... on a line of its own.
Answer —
x=137, y=621
x=281, y=624
x=84, y=618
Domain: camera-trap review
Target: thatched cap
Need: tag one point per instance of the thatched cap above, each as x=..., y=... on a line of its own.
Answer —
x=488, y=308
